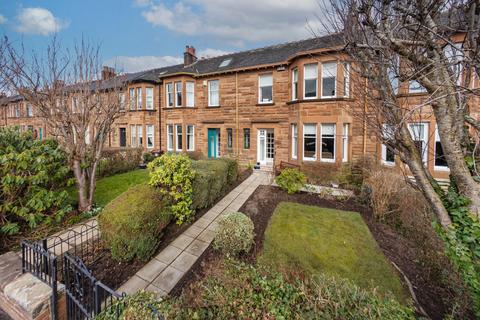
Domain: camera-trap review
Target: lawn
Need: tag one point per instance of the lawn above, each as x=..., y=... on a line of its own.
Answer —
x=319, y=240
x=109, y=188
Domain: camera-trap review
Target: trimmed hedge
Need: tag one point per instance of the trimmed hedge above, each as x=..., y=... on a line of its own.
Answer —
x=118, y=160
x=234, y=234
x=132, y=223
x=212, y=178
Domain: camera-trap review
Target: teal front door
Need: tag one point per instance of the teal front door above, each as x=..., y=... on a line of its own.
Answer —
x=212, y=143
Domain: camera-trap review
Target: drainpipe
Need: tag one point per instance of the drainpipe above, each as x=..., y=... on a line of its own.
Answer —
x=365, y=119
x=236, y=115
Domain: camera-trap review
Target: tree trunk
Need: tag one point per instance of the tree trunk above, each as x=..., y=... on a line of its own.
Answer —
x=92, y=182
x=83, y=203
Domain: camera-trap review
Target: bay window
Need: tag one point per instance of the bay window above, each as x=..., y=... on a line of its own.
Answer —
x=190, y=88
x=295, y=84
x=150, y=136
x=265, y=88
x=121, y=97
x=310, y=75
x=179, y=145
x=346, y=79
x=346, y=127
x=139, y=99
x=327, y=143
x=190, y=138
x=170, y=137
x=329, y=79
x=178, y=94
x=133, y=135
x=140, y=135
x=132, y=98
x=213, y=93
x=309, y=142
x=149, y=98
x=294, y=140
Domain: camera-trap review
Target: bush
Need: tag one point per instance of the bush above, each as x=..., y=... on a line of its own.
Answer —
x=234, y=234
x=212, y=178
x=118, y=160
x=196, y=155
x=132, y=223
x=148, y=157
x=31, y=174
x=235, y=290
x=291, y=180
x=172, y=175
x=139, y=306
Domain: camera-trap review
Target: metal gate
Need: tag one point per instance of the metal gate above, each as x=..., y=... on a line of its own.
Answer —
x=86, y=296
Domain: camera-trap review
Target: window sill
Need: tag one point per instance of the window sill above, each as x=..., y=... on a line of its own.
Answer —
x=441, y=169
x=265, y=104
x=412, y=94
x=178, y=108
x=213, y=107
x=332, y=161
x=319, y=100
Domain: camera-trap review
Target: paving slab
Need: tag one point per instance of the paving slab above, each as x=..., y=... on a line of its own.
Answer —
x=10, y=268
x=197, y=247
x=133, y=285
x=182, y=241
x=193, y=231
x=151, y=270
x=168, y=279
x=184, y=261
x=168, y=254
x=207, y=235
x=158, y=292
x=202, y=223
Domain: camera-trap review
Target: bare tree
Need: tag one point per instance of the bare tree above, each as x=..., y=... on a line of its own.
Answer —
x=65, y=87
x=435, y=44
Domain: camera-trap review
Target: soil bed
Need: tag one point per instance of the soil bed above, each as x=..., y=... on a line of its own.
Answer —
x=113, y=273
x=403, y=252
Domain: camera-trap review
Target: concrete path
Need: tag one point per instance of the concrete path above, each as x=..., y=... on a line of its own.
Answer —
x=163, y=272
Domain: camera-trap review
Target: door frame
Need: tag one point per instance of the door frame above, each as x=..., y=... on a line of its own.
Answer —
x=266, y=160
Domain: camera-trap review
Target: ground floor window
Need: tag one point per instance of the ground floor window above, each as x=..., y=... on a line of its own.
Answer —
x=388, y=155
x=294, y=140
x=140, y=135
x=246, y=138
x=346, y=127
x=170, y=137
x=150, y=136
x=229, y=138
x=440, y=161
x=179, y=145
x=327, y=144
x=419, y=132
x=40, y=133
x=309, y=142
x=190, y=138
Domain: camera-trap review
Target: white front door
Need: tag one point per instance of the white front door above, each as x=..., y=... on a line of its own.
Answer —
x=265, y=146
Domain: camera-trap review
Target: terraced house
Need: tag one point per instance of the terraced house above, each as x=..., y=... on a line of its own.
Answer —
x=291, y=103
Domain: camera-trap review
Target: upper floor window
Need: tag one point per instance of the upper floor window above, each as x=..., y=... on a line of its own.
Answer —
x=121, y=98
x=393, y=71
x=149, y=98
x=455, y=56
x=29, y=110
x=178, y=94
x=213, y=93
x=295, y=84
x=310, y=75
x=17, y=110
x=169, y=95
x=190, y=89
x=329, y=79
x=132, y=98
x=415, y=87
x=265, y=88
x=139, y=99
x=346, y=79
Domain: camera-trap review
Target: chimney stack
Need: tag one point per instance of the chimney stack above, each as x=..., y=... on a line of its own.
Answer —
x=108, y=73
x=189, y=56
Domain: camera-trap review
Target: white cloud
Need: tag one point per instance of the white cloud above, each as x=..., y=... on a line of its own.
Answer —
x=2, y=19
x=140, y=63
x=209, y=52
x=39, y=21
x=142, y=3
x=236, y=21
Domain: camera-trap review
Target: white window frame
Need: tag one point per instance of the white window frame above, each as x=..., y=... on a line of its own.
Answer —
x=190, y=90
x=260, y=86
x=210, y=92
x=87, y=136
x=192, y=134
x=121, y=98
x=329, y=75
x=314, y=158
x=149, y=98
x=139, y=135
x=386, y=135
x=294, y=127
x=178, y=92
x=415, y=87
x=139, y=98
x=424, y=139
x=345, y=133
x=132, y=97
x=334, y=143
x=305, y=79
x=150, y=135
x=169, y=94
x=176, y=137
x=435, y=167
x=346, y=79
x=170, y=136
x=133, y=135
x=29, y=110
x=295, y=82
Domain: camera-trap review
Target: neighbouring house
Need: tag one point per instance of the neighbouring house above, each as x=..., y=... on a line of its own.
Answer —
x=291, y=102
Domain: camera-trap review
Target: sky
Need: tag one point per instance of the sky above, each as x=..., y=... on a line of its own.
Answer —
x=137, y=35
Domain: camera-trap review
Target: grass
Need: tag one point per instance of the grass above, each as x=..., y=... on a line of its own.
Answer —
x=109, y=188
x=337, y=243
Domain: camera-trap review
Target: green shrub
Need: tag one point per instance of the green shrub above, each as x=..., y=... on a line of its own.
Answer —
x=139, y=306
x=232, y=170
x=148, y=157
x=235, y=290
x=132, y=223
x=31, y=173
x=234, y=234
x=118, y=160
x=291, y=180
x=172, y=175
